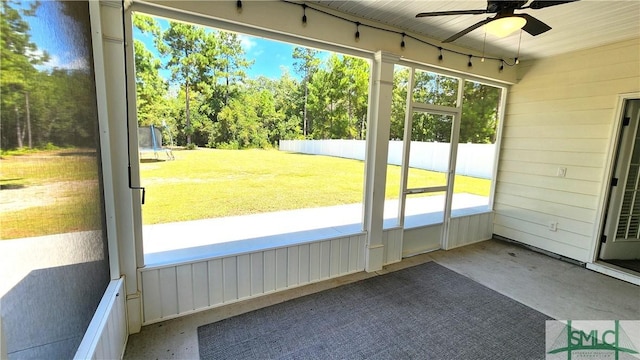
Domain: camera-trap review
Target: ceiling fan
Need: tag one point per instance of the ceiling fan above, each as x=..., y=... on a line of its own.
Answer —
x=505, y=21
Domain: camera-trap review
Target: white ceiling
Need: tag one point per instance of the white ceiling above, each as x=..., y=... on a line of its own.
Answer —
x=577, y=25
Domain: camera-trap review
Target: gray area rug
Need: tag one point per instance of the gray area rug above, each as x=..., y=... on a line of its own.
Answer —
x=423, y=312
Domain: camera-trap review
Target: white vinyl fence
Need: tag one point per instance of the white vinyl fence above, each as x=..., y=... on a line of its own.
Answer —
x=473, y=159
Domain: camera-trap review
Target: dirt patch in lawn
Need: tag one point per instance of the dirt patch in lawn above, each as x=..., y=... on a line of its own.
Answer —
x=21, y=198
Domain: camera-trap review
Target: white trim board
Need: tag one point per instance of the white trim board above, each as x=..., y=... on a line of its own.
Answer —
x=614, y=271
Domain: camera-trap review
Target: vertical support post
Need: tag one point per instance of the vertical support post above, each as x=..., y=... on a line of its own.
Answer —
x=453, y=158
x=377, y=152
x=406, y=148
x=112, y=56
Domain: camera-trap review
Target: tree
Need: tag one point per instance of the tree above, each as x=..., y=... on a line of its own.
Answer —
x=151, y=88
x=479, y=113
x=230, y=62
x=306, y=64
x=18, y=58
x=399, y=102
x=191, y=52
x=357, y=73
x=337, y=99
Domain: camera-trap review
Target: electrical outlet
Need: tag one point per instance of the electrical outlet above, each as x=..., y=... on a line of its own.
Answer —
x=562, y=172
x=553, y=226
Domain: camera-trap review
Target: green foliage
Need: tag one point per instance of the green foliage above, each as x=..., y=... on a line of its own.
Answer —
x=41, y=105
x=214, y=104
x=479, y=113
x=338, y=95
x=479, y=108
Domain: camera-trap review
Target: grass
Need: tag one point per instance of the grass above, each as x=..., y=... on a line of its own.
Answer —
x=54, y=191
x=213, y=183
x=48, y=192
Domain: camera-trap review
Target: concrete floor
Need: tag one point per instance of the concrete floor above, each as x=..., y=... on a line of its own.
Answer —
x=559, y=289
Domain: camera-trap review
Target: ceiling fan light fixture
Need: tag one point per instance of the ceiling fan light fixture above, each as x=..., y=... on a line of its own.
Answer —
x=505, y=26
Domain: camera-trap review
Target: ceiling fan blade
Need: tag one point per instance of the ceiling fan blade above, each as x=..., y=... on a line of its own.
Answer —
x=452, y=12
x=538, y=4
x=467, y=30
x=533, y=26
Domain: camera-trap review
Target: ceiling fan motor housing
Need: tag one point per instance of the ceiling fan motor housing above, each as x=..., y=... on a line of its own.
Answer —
x=503, y=6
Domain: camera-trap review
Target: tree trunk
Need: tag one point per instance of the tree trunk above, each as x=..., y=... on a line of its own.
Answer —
x=304, y=114
x=28, y=115
x=226, y=89
x=188, y=115
x=18, y=130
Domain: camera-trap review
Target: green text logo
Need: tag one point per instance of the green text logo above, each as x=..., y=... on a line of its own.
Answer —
x=592, y=339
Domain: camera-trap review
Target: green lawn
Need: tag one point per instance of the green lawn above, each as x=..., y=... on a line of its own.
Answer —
x=48, y=192
x=51, y=192
x=210, y=183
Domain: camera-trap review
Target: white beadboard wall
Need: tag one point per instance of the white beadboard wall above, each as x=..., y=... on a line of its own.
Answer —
x=470, y=229
x=178, y=289
x=561, y=114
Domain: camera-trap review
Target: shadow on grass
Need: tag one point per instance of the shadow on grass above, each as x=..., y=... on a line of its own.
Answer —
x=11, y=186
x=152, y=160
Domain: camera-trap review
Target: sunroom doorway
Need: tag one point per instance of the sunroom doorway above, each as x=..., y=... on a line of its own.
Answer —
x=620, y=241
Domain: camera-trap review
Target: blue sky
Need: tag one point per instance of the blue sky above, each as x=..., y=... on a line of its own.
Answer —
x=59, y=41
x=270, y=58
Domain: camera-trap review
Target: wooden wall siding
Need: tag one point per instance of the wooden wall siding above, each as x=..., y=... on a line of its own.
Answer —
x=561, y=114
x=465, y=230
x=174, y=290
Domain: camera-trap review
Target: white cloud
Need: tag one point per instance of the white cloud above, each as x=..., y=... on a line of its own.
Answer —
x=66, y=62
x=247, y=43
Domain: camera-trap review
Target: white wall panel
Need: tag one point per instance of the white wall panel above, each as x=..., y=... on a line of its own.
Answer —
x=269, y=257
x=420, y=240
x=314, y=261
x=151, y=299
x=293, y=266
x=561, y=114
x=258, y=272
x=303, y=260
x=200, y=288
x=334, y=258
x=184, y=279
x=173, y=290
x=215, y=283
x=465, y=230
x=344, y=256
x=281, y=268
x=243, y=275
x=392, y=242
x=230, y=278
x=325, y=259
x=168, y=291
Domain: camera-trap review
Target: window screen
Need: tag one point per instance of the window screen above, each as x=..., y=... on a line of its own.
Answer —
x=53, y=249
